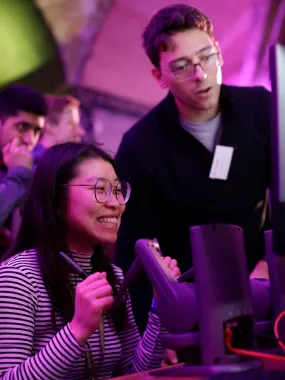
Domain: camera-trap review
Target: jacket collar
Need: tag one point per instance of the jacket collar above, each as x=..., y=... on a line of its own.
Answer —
x=233, y=124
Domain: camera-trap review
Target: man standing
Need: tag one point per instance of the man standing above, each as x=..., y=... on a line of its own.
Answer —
x=22, y=117
x=200, y=156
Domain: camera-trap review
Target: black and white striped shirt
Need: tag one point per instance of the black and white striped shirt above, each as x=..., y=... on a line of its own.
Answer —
x=29, y=349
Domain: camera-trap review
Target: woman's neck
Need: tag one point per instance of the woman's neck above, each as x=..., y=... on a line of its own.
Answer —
x=76, y=245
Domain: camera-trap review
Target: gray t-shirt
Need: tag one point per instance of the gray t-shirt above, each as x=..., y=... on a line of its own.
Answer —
x=207, y=133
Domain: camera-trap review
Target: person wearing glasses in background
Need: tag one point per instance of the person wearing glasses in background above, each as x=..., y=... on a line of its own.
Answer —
x=200, y=156
x=54, y=325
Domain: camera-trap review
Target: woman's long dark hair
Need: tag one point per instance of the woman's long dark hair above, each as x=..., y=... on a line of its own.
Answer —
x=43, y=228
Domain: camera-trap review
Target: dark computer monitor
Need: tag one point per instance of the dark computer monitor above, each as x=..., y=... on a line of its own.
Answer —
x=275, y=239
x=277, y=75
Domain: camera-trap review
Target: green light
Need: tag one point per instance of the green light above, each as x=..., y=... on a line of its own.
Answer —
x=25, y=41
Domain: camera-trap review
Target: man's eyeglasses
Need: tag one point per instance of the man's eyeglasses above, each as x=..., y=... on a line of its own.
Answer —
x=103, y=189
x=188, y=70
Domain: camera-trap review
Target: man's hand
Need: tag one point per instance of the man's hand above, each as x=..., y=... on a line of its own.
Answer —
x=15, y=153
x=260, y=270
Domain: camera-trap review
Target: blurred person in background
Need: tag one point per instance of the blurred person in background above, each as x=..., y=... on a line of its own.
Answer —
x=22, y=119
x=62, y=123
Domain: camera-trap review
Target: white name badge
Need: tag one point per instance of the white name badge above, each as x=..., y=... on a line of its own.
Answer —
x=221, y=162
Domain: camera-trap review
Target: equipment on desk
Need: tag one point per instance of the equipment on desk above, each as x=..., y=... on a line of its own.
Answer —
x=217, y=297
x=197, y=314
x=217, y=309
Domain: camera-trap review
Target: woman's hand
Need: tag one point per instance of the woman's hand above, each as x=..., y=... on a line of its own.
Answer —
x=173, y=266
x=92, y=297
x=169, y=358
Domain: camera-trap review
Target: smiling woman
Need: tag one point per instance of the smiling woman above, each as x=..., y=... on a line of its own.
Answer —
x=53, y=324
x=95, y=205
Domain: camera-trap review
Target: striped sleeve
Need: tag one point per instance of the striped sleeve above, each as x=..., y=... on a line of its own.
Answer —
x=140, y=354
x=18, y=304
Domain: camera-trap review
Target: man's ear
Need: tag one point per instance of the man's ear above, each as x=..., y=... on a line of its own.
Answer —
x=156, y=73
x=221, y=59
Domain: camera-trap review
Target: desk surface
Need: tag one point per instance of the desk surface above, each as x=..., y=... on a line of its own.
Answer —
x=272, y=370
x=146, y=376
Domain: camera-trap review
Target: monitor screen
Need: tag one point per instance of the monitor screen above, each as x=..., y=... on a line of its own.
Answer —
x=277, y=75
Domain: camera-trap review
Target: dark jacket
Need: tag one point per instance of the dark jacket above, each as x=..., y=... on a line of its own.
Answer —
x=168, y=170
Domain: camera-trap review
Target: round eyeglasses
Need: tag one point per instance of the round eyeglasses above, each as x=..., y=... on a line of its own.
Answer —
x=188, y=70
x=103, y=189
